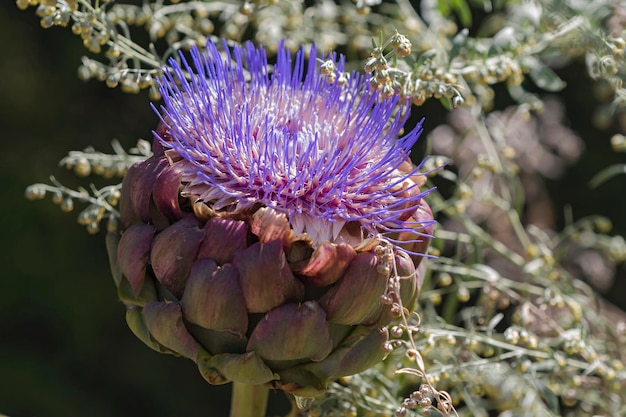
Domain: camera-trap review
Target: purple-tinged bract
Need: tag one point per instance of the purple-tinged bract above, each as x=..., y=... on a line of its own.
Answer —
x=323, y=154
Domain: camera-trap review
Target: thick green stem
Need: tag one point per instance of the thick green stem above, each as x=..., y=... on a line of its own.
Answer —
x=248, y=400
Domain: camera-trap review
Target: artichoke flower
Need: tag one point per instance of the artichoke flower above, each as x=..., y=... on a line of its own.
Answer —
x=279, y=225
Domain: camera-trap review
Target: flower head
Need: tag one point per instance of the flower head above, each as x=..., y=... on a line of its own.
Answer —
x=327, y=155
x=255, y=204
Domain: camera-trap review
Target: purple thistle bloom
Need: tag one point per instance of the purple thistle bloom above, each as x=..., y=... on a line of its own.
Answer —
x=325, y=155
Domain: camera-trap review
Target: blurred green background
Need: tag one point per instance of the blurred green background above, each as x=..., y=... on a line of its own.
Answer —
x=65, y=349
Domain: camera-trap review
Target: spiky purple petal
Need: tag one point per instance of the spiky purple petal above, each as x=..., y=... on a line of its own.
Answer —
x=323, y=154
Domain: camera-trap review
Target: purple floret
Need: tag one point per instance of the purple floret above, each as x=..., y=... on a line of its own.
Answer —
x=241, y=133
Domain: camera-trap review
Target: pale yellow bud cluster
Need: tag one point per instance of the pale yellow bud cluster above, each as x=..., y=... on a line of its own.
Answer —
x=129, y=80
x=329, y=69
x=101, y=203
x=401, y=45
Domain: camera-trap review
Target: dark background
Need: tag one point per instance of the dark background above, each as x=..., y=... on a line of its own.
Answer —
x=65, y=349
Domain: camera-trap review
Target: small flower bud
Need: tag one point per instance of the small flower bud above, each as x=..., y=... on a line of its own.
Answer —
x=328, y=67
x=435, y=298
x=511, y=335
x=130, y=86
x=401, y=45
x=93, y=228
x=92, y=45
x=619, y=42
x=383, y=269
x=113, y=52
x=444, y=279
x=246, y=8
x=67, y=205
x=112, y=224
x=43, y=10
x=396, y=310
x=401, y=412
x=603, y=225
x=113, y=198
x=57, y=197
x=409, y=403
x=205, y=25
x=439, y=91
x=363, y=10
x=425, y=402
x=22, y=4
x=109, y=171
x=387, y=91
x=381, y=63
x=84, y=218
x=403, y=50
x=113, y=79
x=397, y=331
x=84, y=73
x=47, y=22
x=370, y=65
x=35, y=192
x=145, y=81
x=154, y=93
x=418, y=99
x=82, y=167
x=62, y=19
x=463, y=294
x=618, y=142
x=386, y=299
x=120, y=169
x=382, y=76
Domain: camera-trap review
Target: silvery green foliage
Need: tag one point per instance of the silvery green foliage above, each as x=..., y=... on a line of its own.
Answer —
x=505, y=326
x=101, y=203
x=517, y=39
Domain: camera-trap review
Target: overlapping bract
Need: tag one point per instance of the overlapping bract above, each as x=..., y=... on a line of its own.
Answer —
x=214, y=261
